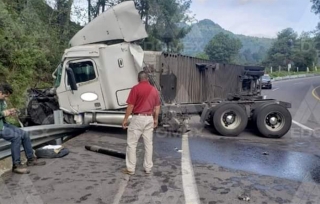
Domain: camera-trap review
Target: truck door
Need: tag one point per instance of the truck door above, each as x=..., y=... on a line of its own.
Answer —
x=89, y=95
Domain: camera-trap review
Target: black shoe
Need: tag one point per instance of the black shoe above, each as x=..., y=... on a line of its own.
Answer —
x=35, y=162
x=19, y=169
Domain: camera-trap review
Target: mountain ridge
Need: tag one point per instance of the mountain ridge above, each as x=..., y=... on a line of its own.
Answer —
x=254, y=48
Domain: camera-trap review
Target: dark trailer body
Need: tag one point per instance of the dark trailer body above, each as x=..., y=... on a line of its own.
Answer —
x=225, y=96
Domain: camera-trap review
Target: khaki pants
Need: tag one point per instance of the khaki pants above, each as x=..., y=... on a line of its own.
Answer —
x=140, y=126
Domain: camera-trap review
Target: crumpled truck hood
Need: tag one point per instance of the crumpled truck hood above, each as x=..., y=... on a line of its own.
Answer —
x=121, y=22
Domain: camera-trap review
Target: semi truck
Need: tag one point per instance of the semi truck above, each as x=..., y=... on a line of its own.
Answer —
x=101, y=64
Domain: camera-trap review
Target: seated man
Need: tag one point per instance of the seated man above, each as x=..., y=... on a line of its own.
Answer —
x=15, y=135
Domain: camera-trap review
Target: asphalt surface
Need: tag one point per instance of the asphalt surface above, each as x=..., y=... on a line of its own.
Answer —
x=305, y=107
x=317, y=92
x=285, y=170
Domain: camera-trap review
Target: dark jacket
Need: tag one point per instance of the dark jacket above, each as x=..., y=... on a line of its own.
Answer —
x=3, y=106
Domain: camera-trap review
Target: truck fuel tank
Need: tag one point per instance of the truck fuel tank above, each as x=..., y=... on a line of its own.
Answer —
x=105, y=118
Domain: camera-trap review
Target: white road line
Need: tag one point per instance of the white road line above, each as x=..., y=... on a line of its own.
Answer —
x=122, y=187
x=302, y=126
x=189, y=183
x=275, y=89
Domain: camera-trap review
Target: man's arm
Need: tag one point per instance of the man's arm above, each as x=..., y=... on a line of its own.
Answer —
x=128, y=113
x=156, y=109
x=130, y=101
x=156, y=116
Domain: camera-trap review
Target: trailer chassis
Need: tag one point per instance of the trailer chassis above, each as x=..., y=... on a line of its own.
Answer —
x=271, y=117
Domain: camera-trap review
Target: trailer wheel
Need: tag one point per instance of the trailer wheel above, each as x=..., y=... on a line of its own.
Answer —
x=273, y=121
x=230, y=120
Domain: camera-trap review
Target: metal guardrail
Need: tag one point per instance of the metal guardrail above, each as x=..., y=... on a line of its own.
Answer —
x=42, y=134
x=294, y=77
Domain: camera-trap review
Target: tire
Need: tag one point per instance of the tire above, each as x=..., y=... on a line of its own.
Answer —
x=281, y=127
x=210, y=119
x=48, y=120
x=68, y=119
x=270, y=87
x=239, y=122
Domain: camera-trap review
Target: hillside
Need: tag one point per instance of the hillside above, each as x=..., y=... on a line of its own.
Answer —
x=32, y=39
x=253, y=51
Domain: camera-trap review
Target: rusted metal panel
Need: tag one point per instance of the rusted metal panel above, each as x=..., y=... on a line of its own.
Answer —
x=227, y=78
x=195, y=85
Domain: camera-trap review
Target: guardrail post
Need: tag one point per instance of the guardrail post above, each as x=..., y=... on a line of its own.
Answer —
x=58, y=120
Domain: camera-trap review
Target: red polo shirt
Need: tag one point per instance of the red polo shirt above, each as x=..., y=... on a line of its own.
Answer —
x=144, y=97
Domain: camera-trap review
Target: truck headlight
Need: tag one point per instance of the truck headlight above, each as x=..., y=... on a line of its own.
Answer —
x=89, y=97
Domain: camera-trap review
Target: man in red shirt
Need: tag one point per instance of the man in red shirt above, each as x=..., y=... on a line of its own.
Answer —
x=144, y=103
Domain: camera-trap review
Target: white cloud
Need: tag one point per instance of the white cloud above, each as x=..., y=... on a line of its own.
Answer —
x=201, y=1
x=262, y=18
x=254, y=1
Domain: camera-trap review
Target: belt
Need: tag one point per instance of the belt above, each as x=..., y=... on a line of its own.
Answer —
x=143, y=114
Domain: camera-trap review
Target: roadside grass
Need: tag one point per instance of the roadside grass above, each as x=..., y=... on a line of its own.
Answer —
x=284, y=73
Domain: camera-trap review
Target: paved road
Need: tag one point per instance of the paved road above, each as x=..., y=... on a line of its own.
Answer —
x=199, y=167
x=316, y=92
x=305, y=107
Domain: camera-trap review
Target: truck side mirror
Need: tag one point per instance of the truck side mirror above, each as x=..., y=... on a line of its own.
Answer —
x=71, y=79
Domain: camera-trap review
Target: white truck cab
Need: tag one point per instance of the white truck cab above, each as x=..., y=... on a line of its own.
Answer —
x=104, y=62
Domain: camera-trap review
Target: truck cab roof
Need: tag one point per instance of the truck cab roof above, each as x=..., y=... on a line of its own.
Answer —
x=121, y=22
x=92, y=50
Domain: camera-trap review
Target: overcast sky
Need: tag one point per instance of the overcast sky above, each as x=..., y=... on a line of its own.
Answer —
x=257, y=17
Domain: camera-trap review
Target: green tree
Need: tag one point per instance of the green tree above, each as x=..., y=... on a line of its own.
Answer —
x=63, y=16
x=223, y=48
x=316, y=10
x=316, y=6
x=248, y=55
x=280, y=54
x=305, y=53
x=290, y=48
x=165, y=20
x=32, y=39
x=202, y=55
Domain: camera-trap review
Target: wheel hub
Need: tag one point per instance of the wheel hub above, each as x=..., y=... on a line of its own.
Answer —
x=273, y=120
x=229, y=119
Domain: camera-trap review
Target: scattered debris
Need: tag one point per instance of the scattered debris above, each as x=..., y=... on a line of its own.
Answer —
x=265, y=153
x=177, y=150
x=244, y=197
x=110, y=152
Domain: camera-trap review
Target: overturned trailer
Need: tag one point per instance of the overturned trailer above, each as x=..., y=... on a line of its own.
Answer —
x=225, y=96
x=98, y=70
x=185, y=79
